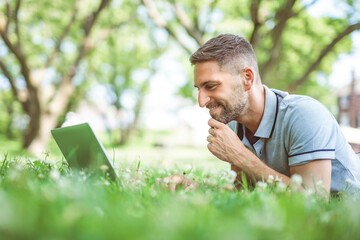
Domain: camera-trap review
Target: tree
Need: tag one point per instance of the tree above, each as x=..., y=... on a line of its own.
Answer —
x=45, y=43
x=11, y=116
x=126, y=66
x=290, y=44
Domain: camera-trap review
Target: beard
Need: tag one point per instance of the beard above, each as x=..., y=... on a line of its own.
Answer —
x=231, y=108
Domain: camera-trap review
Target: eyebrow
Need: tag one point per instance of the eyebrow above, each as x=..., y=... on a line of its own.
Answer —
x=207, y=82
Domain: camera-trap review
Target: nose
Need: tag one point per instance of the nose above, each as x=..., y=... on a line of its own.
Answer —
x=203, y=99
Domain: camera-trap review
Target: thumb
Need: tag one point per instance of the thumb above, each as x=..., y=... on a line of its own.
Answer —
x=215, y=124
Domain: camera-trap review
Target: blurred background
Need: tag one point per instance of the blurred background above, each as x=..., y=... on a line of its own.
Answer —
x=122, y=66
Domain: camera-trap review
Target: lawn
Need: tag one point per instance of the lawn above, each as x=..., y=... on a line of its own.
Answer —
x=43, y=199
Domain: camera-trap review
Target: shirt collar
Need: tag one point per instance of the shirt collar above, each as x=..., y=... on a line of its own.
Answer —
x=267, y=124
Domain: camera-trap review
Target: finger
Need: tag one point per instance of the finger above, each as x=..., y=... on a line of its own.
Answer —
x=212, y=131
x=215, y=124
x=210, y=147
x=209, y=138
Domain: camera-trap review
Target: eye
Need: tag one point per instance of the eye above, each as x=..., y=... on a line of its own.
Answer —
x=210, y=87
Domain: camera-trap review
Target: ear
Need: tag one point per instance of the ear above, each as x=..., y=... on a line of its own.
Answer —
x=248, y=77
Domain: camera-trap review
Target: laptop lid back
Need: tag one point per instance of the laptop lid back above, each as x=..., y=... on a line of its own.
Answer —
x=82, y=149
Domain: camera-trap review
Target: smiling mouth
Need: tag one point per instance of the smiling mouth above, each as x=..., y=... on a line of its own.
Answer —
x=212, y=109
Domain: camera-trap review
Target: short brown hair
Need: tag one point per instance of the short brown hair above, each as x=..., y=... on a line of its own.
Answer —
x=228, y=50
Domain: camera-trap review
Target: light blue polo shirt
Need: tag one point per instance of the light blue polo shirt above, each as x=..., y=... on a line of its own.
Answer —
x=295, y=130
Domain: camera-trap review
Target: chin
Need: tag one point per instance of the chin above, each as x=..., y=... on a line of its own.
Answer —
x=220, y=119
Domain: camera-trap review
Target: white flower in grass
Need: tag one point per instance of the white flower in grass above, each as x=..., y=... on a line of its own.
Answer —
x=227, y=176
x=309, y=192
x=54, y=174
x=188, y=168
x=321, y=190
x=320, y=184
x=212, y=172
x=104, y=168
x=296, y=179
x=232, y=176
x=126, y=176
x=270, y=179
x=19, y=167
x=261, y=185
x=139, y=183
x=278, y=179
x=83, y=176
x=281, y=187
x=40, y=176
x=210, y=181
x=190, y=176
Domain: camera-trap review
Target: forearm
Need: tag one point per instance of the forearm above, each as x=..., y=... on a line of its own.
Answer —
x=254, y=169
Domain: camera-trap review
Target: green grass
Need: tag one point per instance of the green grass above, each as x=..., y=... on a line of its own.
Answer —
x=44, y=199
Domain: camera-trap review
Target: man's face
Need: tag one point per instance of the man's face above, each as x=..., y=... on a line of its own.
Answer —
x=219, y=91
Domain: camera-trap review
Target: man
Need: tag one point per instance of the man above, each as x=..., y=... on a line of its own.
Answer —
x=265, y=132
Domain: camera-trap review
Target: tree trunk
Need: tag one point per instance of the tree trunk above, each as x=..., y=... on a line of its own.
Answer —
x=10, y=111
x=125, y=134
x=39, y=144
x=31, y=130
x=32, y=108
x=46, y=118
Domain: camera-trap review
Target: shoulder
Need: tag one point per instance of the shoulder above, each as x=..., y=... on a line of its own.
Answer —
x=311, y=130
x=306, y=119
x=297, y=104
x=298, y=107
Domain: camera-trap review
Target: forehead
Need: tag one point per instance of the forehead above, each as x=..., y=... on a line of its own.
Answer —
x=207, y=71
x=208, y=67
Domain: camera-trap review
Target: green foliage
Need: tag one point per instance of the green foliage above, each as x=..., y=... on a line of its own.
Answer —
x=42, y=200
x=122, y=50
x=286, y=48
x=60, y=48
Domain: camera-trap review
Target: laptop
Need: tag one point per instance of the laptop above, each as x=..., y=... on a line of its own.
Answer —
x=82, y=149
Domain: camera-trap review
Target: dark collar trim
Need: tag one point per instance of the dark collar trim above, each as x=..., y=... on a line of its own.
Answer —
x=276, y=113
x=240, y=131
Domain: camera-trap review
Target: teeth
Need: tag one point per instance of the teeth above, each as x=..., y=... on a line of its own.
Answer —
x=214, y=108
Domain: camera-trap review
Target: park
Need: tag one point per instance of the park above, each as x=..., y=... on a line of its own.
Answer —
x=122, y=67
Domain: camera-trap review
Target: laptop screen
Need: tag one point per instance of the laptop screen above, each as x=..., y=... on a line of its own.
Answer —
x=82, y=149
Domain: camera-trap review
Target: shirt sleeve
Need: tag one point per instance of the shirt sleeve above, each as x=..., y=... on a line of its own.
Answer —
x=312, y=132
